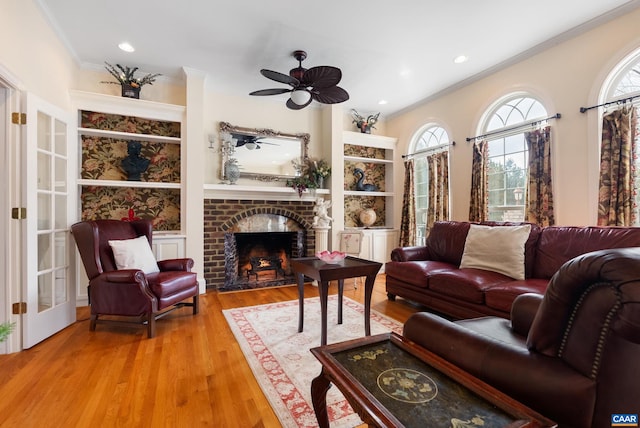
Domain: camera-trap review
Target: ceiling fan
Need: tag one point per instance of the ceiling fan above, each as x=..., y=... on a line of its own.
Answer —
x=249, y=142
x=317, y=83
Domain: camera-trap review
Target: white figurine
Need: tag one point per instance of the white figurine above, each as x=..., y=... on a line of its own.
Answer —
x=321, y=211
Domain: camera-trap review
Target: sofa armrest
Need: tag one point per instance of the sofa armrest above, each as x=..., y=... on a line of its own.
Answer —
x=523, y=311
x=405, y=254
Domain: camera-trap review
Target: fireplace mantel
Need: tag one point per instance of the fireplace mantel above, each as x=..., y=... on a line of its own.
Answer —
x=272, y=193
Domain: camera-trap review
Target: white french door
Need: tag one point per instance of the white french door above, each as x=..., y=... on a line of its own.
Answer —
x=48, y=194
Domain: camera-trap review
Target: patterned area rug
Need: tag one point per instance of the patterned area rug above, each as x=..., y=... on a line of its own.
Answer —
x=280, y=359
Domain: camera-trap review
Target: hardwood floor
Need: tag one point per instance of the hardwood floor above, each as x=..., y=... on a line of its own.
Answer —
x=192, y=374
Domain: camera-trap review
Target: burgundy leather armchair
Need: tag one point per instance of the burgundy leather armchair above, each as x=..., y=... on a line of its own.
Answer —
x=131, y=292
x=572, y=355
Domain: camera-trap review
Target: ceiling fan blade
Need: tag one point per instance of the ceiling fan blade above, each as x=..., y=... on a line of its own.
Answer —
x=331, y=95
x=275, y=91
x=294, y=106
x=322, y=77
x=280, y=77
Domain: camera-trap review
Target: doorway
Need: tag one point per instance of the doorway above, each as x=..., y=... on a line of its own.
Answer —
x=10, y=290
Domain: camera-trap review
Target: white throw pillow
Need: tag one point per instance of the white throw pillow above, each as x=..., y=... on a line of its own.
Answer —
x=134, y=254
x=496, y=248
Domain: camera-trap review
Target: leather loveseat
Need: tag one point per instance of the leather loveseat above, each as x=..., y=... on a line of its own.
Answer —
x=431, y=274
x=572, y=355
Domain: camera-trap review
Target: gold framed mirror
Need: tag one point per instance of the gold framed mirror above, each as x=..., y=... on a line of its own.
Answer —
x=262, y=154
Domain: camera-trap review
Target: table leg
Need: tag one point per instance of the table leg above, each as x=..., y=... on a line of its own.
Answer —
x=300, y=278
x=340, y=293
x=319, y=387
x=368, y=291
x=323, y=288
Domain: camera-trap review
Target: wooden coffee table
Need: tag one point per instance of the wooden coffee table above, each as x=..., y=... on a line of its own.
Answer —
x=392, y=382
x=322, y=272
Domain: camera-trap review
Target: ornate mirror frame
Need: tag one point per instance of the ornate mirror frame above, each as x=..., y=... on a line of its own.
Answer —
x=226, y=129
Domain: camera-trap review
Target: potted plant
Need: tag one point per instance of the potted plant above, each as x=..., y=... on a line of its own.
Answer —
x=5, y=330
x=312, y=173
x=319, y=170
x=125, y=77
x=365, y=125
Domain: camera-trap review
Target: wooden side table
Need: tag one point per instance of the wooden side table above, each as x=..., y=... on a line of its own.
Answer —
x=322, y=272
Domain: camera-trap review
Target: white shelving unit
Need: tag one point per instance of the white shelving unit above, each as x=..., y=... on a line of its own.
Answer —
x=377, y=242
x=388, y=145
x=120, y=106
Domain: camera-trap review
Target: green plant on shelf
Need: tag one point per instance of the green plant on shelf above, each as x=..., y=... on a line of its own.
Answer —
x=126, y=76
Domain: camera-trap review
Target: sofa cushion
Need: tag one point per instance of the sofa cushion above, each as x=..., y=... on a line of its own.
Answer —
x=530, y=247
x=465, y=284
x=559, y=244
x=501, y=296
x=446, y=241
x=415, y=272
x=498, y=249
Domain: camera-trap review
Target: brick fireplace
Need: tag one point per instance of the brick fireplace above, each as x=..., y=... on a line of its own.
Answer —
x=224, y=218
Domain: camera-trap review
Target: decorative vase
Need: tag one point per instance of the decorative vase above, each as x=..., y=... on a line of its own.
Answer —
x=368, y=217
x=365, y=129
x=320, y=182
x=232, y=171
x=129, y=91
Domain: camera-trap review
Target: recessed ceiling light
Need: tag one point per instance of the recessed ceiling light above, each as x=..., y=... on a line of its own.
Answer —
x=405, y=73
x=460, y=59
x=125, y=46
x=382, y=102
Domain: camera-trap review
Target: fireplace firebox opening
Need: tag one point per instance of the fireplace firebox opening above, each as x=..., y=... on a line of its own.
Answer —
x=261, y=259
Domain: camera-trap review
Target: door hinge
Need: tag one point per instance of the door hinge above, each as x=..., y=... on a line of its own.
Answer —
x=19, y=213
x=19, y=118
x=19, y=308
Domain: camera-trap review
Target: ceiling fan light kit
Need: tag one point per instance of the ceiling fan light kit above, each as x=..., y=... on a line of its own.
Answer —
x=317, y=83
x=300, y=96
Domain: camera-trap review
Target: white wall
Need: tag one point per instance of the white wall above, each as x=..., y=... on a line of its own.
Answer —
x=564, y=77
x=32, y=52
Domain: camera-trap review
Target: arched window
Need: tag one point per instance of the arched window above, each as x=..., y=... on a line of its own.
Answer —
x=508, y=155
x=432, y=139
x=623, y=87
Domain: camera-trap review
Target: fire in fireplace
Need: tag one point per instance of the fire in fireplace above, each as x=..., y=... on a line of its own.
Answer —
x=261, y=259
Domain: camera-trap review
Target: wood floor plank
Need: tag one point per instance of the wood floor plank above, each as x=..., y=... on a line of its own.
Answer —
x=192, y=374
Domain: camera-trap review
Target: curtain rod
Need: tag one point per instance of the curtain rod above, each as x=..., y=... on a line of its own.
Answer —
x=431, y=149
x=622, y=101
x=524, y=125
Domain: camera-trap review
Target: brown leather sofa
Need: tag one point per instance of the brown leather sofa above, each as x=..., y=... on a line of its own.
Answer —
x=572, y=355
x=430, y=274
x=131, y=292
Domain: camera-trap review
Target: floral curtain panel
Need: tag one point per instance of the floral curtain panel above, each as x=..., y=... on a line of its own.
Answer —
x=616, y=199
x=438, y=168
x=539, y=202
x=408, y=226
x=479, y=202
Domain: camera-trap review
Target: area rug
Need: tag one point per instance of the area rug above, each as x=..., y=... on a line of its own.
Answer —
x=282, y=363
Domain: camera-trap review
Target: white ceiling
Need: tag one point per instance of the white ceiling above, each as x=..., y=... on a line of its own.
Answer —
x=401, y=51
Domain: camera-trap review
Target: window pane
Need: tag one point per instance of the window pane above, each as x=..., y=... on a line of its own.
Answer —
x=508, y=156
x=515, y=143
x=629, y=83
x=433, y=137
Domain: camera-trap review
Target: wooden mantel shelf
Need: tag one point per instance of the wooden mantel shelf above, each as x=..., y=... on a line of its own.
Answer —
x=272, y=193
